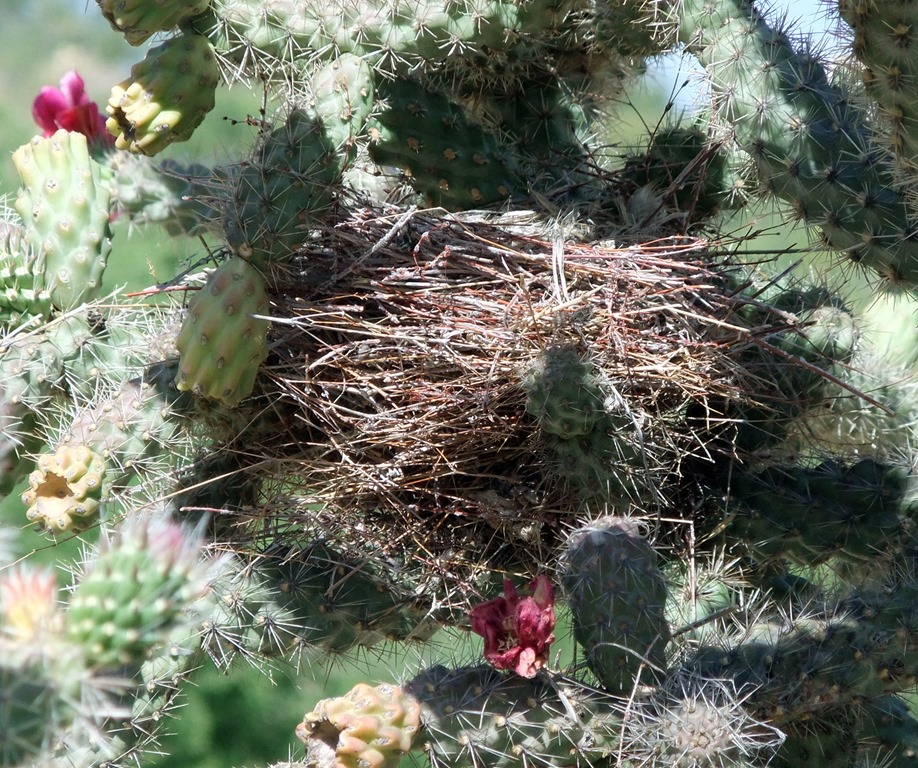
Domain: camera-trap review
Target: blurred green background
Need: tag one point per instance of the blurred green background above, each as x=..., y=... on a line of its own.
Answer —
x=247, y=718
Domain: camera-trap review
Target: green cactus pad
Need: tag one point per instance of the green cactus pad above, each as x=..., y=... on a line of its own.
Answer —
x=287, y=188
x=475, y=716
x=184, y=199
x=131, y=429
x=857, y=512
x=394, y=37
x=64, y=203
x=24, y=300
x=166, y=97
x=32, y=708
x=884, y=43
x=133, y=592
x=223, y=340
x=454, y=162
x=283, y=192
x=811, y=143
x=562, y=392
x=617, y=598
x=343, y=99
x=889, y=732
x=835, y=653
x=341, y=602
x=139, y=19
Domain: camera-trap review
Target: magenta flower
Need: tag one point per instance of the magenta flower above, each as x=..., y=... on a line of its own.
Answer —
x=517, y=631
x=70, y=108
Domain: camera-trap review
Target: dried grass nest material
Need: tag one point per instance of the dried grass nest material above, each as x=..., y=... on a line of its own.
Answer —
x=399, y=346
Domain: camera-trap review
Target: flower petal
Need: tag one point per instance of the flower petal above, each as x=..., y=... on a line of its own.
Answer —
x=73, y=89
x=47, y=105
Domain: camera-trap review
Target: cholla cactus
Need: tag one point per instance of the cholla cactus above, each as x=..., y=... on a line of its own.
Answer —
x=395, y=419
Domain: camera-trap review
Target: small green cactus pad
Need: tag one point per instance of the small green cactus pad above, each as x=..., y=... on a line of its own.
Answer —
x=23, y=296
x=343, y=99
x=456, y=163
x=64, y=204
x=368, y=727
x=342, y=600
x=133, y=591
x=476, y=716
x=239, y=618
x=284, y=191
x=30, y=367
x=139, y=19
x=617, y=597
x=563, y=393
x=167, y=95
x=223, y=340
x=184, y=199
x=66, y=490
x=682, y=160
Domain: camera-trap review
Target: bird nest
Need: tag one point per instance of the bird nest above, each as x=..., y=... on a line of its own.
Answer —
x=394, y=405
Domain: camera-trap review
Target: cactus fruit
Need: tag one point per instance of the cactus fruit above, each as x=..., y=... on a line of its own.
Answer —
x=139, y=19
x=65, y=492
x=617, y=597
x=64, y=203
x=223, y=339
x=368, y=727
x=166, y=97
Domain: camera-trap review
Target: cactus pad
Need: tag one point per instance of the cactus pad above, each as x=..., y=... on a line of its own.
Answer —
x=64, y=204
x=139, y=19
x=221, y=343
x=166, y=97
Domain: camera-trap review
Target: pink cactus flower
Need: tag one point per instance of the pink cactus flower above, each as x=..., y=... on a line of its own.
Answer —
x=70, y=108
x=517, y=631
